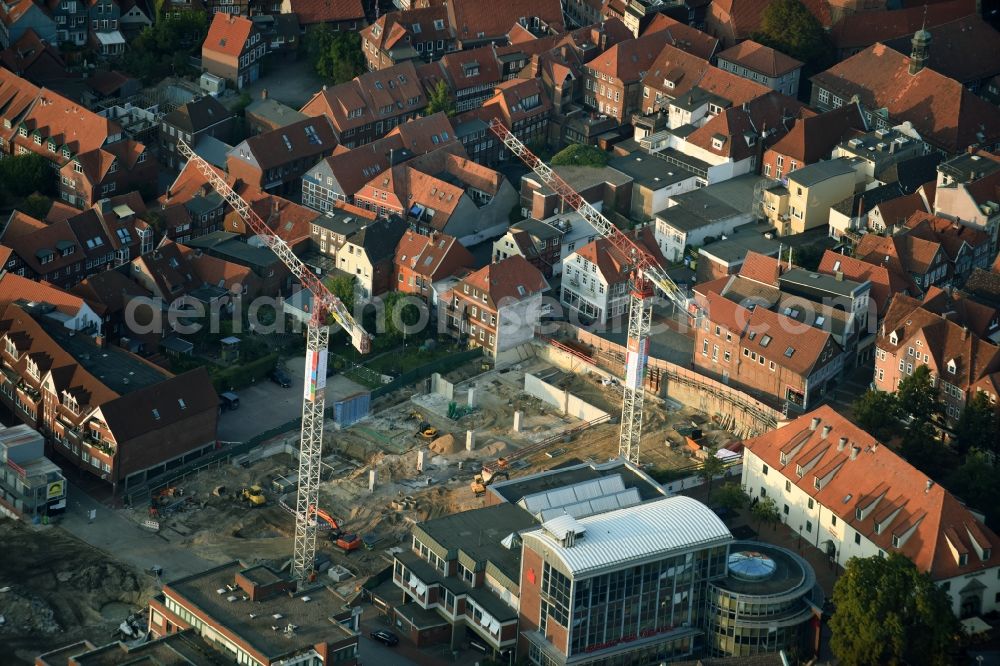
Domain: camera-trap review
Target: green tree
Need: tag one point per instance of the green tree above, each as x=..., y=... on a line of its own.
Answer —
x=400, y=312
x=36, y=205
x=731, y=496
x=765, y=511
x=918, y=396
x=342, y=287
x=977, y=482
x=977, y=427
x=336, y=56
x=888, y=612
x=22, y=175
x=580, y=155
x=921, y=448
x=878, y=413
x=710, y=468
x=788, y=26
x=166, y=47
x=440, y=99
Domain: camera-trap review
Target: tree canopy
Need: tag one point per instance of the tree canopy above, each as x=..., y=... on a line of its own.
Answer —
x=711, y=467
x=978, y=428
x=918, y=396
x=977, y=482
x=166, y=47
x=878, y=413
x=580, y=155
x=888, y=612
x=788, y=26
x=336, y=56
x=440, y=99
x=765, y=510
x=730, y=496
x=21, y=175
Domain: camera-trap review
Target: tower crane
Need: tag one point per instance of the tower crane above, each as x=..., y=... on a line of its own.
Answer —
x=646, y=274
x=324, y=304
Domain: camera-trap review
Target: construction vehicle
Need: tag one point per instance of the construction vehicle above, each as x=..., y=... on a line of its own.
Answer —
x=335, y=530
x=645, y=274
x=489, y=474
x=415, y=416
x=426, y=430
x=349, y=542
x=254, y=496
x=324, y=310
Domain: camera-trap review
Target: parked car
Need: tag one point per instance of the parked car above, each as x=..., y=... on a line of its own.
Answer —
x=229, y=401
x=281, y=378
x=385, y=637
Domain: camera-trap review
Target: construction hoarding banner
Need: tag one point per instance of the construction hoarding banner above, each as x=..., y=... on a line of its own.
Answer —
x=315, y=380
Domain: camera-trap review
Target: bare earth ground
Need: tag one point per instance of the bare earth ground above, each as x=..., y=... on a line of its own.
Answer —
x=53, y=589
x=59, y=585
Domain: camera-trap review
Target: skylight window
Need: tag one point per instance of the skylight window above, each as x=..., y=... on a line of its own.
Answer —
x=765, y=341
x=790, y=352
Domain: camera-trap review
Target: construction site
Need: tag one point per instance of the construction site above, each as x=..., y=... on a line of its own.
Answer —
x=416, y=458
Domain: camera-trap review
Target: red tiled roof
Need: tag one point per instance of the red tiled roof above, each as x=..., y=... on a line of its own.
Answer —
x=760, y=58
x=512, y=278
x=885, y=280
x=14, y=288
x=861, y=30
x=630, y=59
x=227, y=35
x=813, y=138
x=425, y=254
x=906, y=497
x=940, y=109
x=327, y=11
x=761, y=268
x=472, y=17
x=947, y=341
x=957, y=48
x=950, y=234
x=683, y=36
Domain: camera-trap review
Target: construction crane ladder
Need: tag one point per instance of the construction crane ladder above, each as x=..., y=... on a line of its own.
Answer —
x=317, y=343
x=646, y=274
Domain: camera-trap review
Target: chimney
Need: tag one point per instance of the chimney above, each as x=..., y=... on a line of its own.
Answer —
x=839, y=276
x=815, y=423
x=826, y=431
x=263, y=93
x=965, y=332
x=855, y=450
x=927, y=488
x=168, y=195
x=842, y=444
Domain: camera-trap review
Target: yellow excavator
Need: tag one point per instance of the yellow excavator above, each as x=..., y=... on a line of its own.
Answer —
x=254, y=496
x=427, y=431
x=489, y=474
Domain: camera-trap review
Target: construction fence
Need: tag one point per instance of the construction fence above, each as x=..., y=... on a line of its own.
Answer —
x=739, y=412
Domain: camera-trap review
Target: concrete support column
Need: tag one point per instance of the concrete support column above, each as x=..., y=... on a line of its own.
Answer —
x=472, y=397
x=470, y=440
x=518, y=415
x=372, y=475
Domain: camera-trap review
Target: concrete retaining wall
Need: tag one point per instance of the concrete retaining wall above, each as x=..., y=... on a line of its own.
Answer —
x=442, y=386
x=741, y=413
x=566, y=402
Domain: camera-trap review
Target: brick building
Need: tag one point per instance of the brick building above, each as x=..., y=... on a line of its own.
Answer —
x=422, y=260
x=412, y=34
x=496, y=307
x=767, y=354
x=233, y=50
x=961, y=363
x=110, y=414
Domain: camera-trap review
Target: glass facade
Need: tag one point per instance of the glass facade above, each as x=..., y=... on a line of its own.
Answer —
x=637, y=602
x=762, y=605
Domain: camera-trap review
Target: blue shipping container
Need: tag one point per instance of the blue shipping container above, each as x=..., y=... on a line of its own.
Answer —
x=353, y=409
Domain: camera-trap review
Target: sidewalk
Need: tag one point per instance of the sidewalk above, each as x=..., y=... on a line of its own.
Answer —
x=124, y=540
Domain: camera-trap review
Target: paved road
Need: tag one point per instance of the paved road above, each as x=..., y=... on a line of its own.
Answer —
x=124, y=540
x=266, y=405
x=291, y=82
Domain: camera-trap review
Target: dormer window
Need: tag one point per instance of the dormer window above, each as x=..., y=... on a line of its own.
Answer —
x=893, y=338
x=895, y=541
x=952, y=367
x=963, y=559
x=11, y=348
x=32, y=368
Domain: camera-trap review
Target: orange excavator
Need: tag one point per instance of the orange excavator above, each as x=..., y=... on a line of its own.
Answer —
x=346, y=542
x=489, y=474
